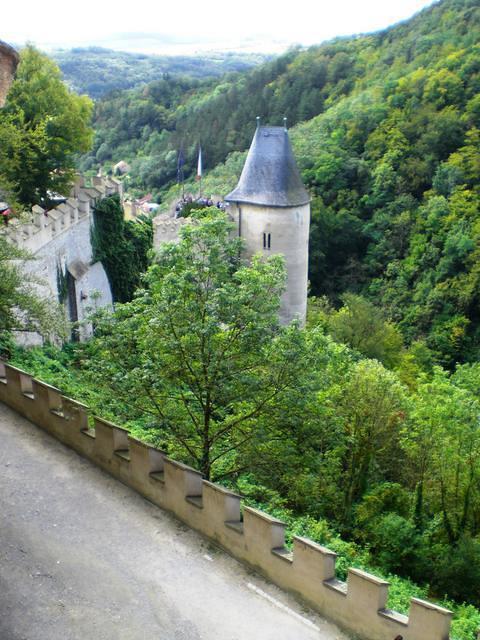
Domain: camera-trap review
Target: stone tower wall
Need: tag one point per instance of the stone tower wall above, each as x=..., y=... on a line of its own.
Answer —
x=289, y=231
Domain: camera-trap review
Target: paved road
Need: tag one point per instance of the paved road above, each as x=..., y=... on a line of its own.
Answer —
x=82, y=557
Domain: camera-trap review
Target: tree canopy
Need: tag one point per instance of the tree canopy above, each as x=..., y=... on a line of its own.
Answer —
x=42, y=127
x=21, y=306
x=200, y=349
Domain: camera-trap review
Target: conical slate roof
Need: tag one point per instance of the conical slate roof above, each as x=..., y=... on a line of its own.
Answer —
x=270, y=176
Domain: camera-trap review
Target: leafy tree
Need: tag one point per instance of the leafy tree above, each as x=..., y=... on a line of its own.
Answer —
x=362, y=326
x=299, y=444
x=200, y=350
x=21, y=307
x=372, y=405
x=336, y=243
x=382, y=521
x=443, y=443
x=456, y=571
x=42, y=127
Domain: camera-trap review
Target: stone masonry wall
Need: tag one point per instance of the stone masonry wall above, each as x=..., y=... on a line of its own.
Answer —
x=59, y=241
x=166, y=229
x=254, y=537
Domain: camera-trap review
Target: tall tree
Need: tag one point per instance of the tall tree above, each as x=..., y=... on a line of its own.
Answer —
x=42, y=127
x=200, y=350
x=372, y=405
x=443, y=442
x=21, y=309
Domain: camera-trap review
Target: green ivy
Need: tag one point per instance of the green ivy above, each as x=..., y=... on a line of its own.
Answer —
x=121, y=246
x=62, y=286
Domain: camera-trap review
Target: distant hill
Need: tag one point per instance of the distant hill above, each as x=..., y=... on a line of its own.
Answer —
x=98, y=71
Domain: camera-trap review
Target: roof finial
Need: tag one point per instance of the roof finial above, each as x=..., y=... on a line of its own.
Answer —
x=285, y=124
x=258, y=121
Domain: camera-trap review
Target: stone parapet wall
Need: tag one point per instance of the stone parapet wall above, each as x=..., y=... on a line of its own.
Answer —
x=45, y=225
x=359, y=605
x=167, y=229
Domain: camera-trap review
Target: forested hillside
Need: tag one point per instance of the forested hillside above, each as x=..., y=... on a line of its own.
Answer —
x=298, y=85
x=394, y=169
x=97, y=71
x=392, y=162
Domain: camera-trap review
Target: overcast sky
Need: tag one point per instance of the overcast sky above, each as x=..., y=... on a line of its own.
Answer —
x=189, y=26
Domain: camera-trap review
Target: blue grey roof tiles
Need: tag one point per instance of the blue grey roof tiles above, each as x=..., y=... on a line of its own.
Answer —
x=270, y=176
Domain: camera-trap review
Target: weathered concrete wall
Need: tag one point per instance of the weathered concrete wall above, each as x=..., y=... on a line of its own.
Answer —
x=8, y=65
x=359, y=605
x=166, y=229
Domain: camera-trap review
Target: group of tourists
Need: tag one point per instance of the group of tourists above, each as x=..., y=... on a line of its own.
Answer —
x=202, y=201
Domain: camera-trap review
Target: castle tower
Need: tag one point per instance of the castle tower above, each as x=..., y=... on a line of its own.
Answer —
x=272, y=210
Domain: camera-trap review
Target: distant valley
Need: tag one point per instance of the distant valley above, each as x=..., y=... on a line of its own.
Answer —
x=97, y=71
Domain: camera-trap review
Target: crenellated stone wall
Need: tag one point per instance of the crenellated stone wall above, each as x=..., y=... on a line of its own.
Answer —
x=45, y=225
x=59, y=244
x=8, y=65
x=358, y=605
x=167, y=229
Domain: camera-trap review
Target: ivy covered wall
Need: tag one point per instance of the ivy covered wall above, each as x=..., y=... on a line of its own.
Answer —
x=121, y=246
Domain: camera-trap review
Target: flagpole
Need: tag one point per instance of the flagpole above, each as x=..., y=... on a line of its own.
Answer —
x=200, y=169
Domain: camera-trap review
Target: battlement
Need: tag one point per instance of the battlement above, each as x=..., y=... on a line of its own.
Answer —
x=45, y=225
x=167, y=228
x=254, y=537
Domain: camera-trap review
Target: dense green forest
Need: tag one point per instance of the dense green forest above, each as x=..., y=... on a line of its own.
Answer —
x=392, y=162
x=298, y=85
x=366, y=436
x=97, y=71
